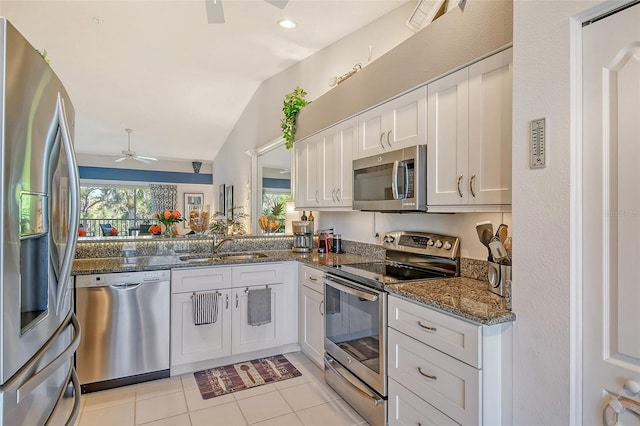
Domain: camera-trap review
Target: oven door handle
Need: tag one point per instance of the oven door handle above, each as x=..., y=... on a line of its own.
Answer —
x=336, y=283
x=345, y=374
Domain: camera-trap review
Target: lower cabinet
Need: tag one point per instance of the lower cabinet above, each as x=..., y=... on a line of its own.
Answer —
x=248, y=338
x=231, y=333
x=194, y=343
x=444, y=370
x=311, y=306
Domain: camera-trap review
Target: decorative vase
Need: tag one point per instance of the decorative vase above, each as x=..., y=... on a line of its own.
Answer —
x=169, y=230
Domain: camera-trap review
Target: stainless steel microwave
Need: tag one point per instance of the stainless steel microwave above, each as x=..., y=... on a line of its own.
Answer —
x=394, y=181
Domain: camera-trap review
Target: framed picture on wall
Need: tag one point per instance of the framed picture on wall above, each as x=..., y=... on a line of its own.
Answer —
x=229, y=201
x=196, y=198
x=221, y=204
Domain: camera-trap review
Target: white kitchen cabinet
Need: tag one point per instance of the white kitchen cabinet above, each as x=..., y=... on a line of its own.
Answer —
x=469, y=137
x=437, y=361
x=311, y=306
x=336, y=175
x=194, y=343
x=248, y=338
x=406, y=408
x=230, y=334
x=398, y=123
x=323, y=163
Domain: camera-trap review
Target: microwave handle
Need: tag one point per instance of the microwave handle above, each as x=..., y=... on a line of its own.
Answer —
x=394, y=183
x=394, y=180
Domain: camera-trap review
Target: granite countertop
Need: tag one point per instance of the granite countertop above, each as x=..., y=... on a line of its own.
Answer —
x=463, y=297
x=149, y=263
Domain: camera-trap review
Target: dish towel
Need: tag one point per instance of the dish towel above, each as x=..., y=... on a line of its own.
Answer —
x=259, y=306
x=205, y=308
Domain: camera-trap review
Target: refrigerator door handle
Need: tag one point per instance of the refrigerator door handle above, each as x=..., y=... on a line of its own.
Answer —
x=74, y=217
x=34, y=381
x=73, y=377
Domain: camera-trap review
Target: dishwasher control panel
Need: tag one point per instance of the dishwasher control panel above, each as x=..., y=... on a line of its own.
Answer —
x=101, y=280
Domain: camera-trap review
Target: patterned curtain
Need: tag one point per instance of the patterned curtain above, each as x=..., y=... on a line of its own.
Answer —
x=164, y=197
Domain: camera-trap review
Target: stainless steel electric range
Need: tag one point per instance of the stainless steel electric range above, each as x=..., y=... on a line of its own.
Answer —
x=355, y=302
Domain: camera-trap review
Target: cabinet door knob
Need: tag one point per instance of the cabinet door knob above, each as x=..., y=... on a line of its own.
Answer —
x=227, y=300
x=321, y=308
x=459, y=190
x=236, y=300
x=473, y=193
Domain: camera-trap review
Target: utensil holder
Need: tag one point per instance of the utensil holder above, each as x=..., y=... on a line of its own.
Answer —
x=498, y=274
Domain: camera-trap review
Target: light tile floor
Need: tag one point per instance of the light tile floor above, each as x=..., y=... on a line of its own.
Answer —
x=176, y=401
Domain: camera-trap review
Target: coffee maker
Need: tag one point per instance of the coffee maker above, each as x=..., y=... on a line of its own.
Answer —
x=302, y=236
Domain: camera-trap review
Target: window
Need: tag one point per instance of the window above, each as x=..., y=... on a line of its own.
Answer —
x=123, y=207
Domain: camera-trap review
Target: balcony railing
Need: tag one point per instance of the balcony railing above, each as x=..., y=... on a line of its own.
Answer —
x=124, y=226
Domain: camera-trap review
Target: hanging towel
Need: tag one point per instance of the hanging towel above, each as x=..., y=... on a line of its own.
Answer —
x=205, y=308
x=259, y=306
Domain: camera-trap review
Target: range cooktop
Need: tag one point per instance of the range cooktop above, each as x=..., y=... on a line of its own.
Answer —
x=410, y=256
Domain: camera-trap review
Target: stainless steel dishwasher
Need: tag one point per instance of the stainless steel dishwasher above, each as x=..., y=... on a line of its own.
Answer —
x=124, y=319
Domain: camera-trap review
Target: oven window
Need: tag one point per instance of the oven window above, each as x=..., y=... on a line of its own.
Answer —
x=353, y=324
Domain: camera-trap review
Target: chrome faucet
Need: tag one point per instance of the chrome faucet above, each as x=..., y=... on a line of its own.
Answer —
x=218, y=244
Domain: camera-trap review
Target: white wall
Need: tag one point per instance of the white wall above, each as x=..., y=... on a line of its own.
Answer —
x=541, y=209
x=260, y=121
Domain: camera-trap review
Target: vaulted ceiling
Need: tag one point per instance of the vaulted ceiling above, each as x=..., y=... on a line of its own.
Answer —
x=159, y=68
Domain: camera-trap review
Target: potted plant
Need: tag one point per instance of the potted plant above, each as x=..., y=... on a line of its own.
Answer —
x=229, y=225
x=293, y=103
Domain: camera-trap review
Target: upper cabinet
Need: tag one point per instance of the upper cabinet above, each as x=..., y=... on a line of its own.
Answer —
x=469, y=137
x=323, y=168
x=396, y=124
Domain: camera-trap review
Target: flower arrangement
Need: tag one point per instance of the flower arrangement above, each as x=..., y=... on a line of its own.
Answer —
x=169, y=218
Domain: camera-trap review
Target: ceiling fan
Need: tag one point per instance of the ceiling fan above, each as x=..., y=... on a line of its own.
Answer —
x=131, y=155
x=215, y=12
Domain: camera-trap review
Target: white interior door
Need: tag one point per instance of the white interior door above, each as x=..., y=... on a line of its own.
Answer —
x=611, y=214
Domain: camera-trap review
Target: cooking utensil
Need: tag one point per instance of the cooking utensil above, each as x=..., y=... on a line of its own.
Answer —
x=485, y=234
x=501, y=233
x=498, y=251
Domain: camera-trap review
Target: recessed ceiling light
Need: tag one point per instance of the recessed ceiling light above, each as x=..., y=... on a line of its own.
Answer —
x=98, y=20
x=287, y=24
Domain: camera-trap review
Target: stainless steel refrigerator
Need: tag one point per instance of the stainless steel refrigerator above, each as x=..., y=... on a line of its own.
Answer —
x=40, y=191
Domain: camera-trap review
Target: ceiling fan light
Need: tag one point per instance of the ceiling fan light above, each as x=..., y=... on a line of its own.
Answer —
x=287, y=24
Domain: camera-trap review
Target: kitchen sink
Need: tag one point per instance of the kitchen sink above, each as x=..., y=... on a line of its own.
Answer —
x=223, y=256
x=242, y=256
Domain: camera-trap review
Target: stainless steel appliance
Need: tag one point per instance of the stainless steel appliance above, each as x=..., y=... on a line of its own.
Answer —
x=125, y=318
x=40, y=192
x=392, y=181
x=302, y=236
x=355, y=306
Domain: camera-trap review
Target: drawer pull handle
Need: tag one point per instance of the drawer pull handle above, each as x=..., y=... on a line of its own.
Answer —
x=426, y=327
x=428, y=376
x=314, y=279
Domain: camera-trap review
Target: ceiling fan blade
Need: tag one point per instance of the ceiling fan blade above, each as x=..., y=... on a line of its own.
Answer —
x=142, y=157
x=215, y=12
x=280, y=4
x=118, y=160
x=142, y=160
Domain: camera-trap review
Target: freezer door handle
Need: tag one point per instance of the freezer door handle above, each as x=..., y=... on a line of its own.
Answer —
x=74, y=216
x=73, y=377
x=34, y=381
